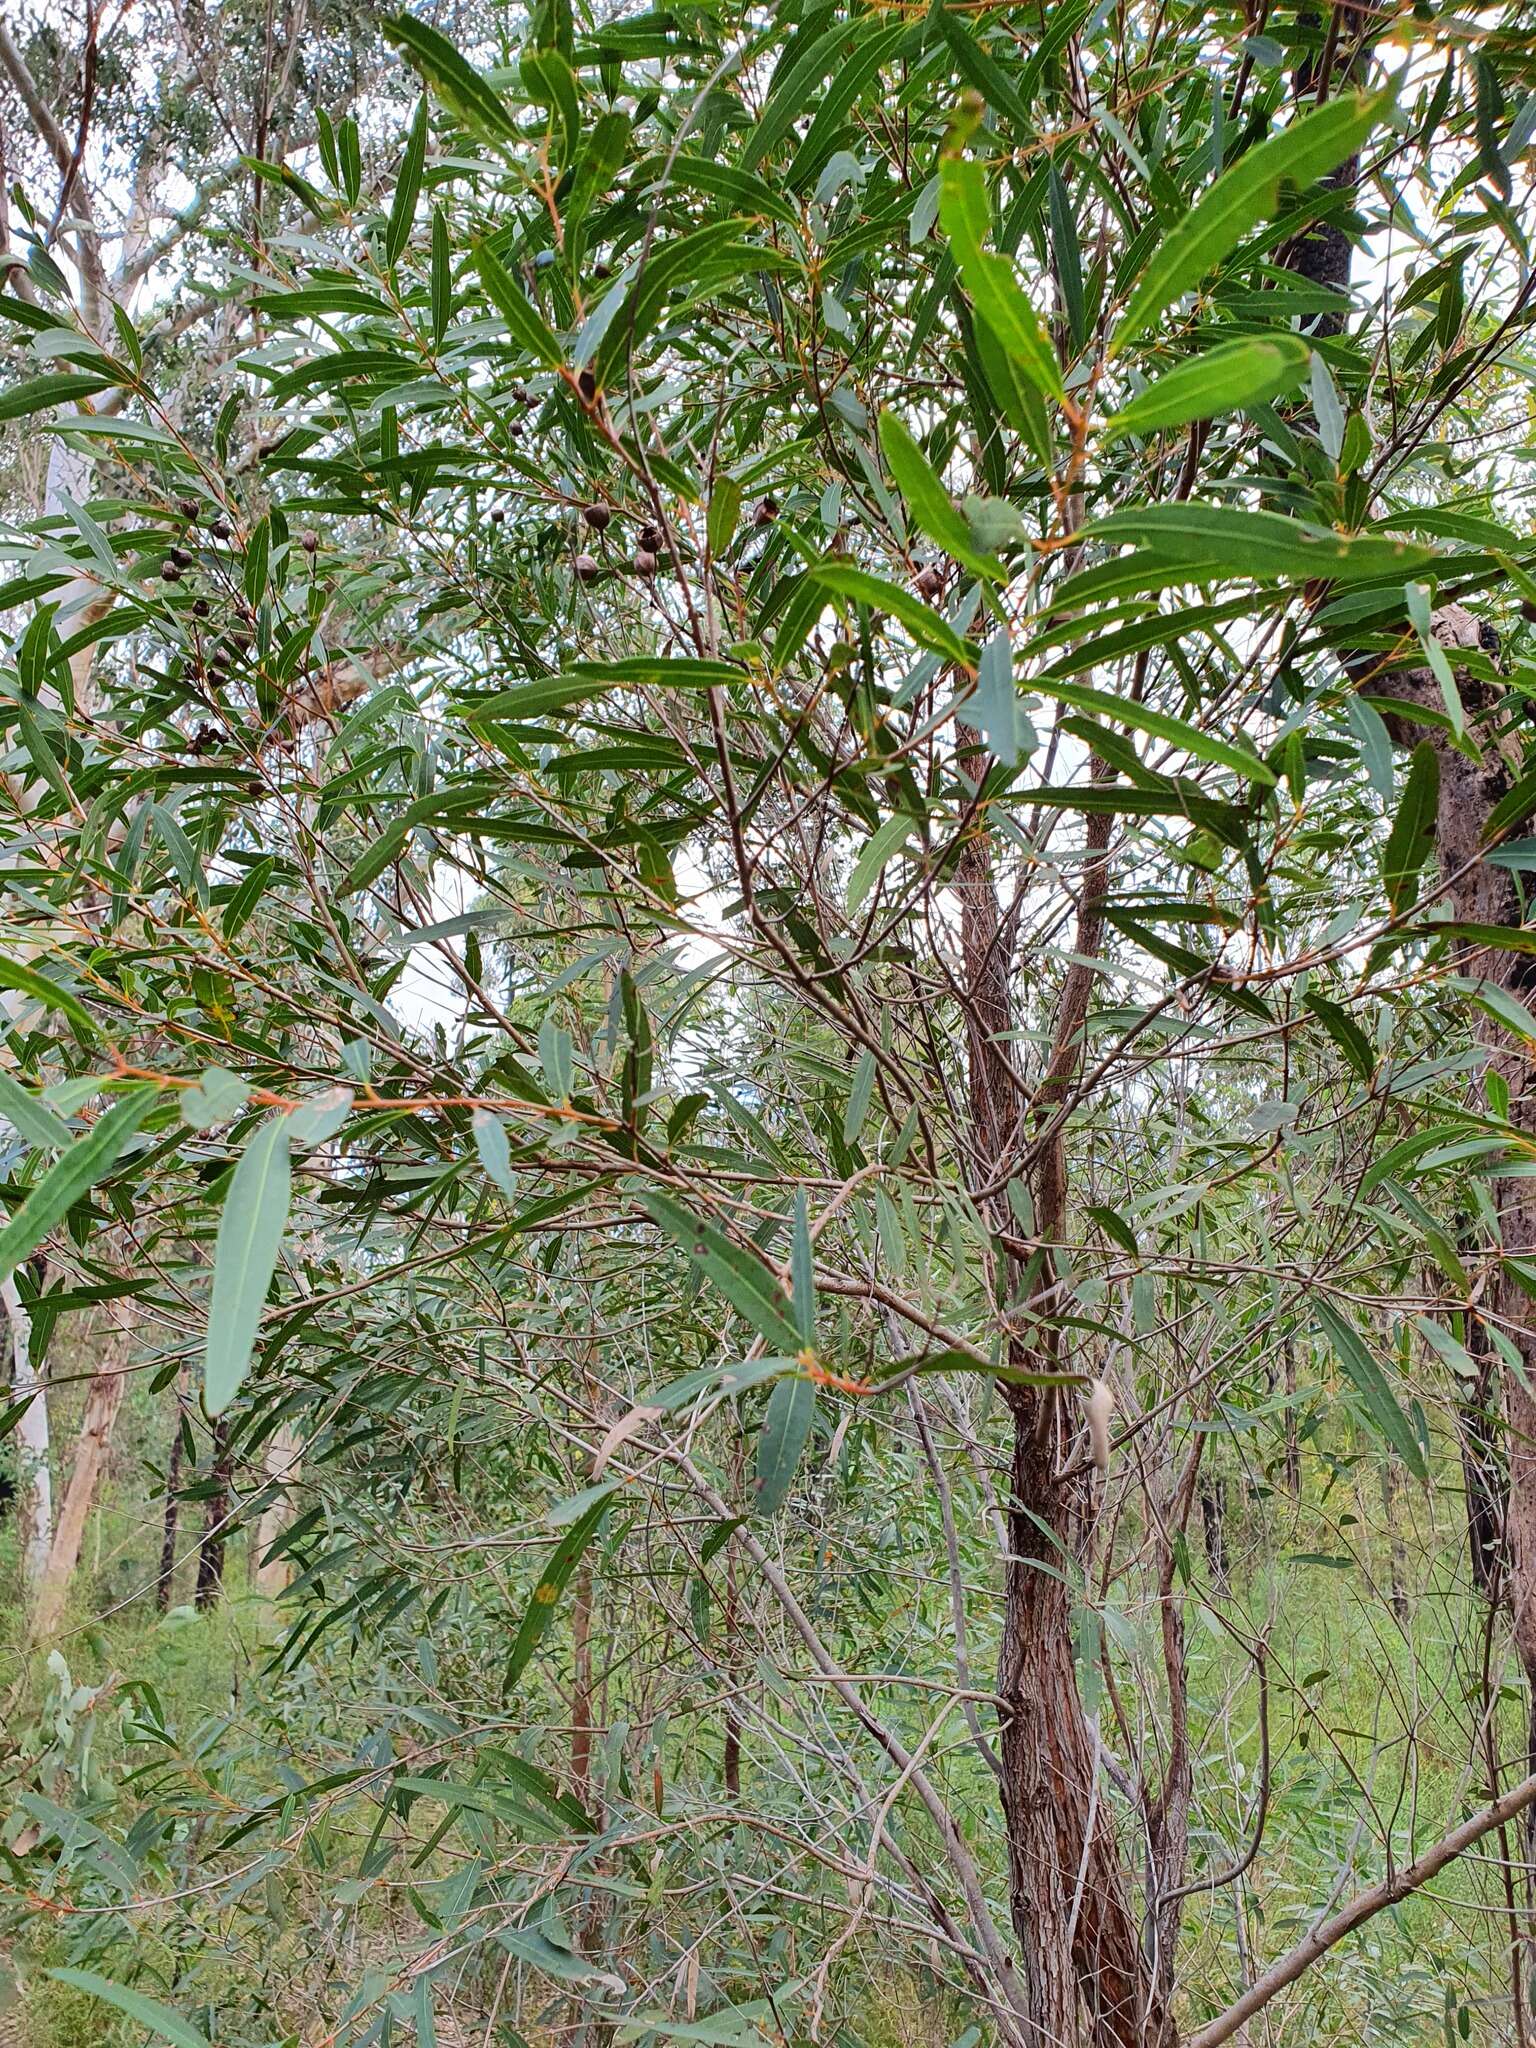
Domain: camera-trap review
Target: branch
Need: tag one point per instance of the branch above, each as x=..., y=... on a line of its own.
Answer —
x=1365, y=1906
x=59, y=146
x=181, y=225
x=82, y=135
x=48, y=129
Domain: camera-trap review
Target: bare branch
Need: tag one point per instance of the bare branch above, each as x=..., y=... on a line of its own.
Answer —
x=1365, y=1906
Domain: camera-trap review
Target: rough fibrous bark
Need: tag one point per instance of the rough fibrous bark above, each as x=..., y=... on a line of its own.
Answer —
x=1070, y=1903
x=210, y=1551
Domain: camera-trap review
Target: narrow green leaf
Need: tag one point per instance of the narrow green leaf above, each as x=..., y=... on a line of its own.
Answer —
x=786, y=1424
x=1508, y=1010
x=28, y=982
x=525, y=323
x=1412, y=838
x=1162, y=725
x=30, y=1115
x=1300, y=154
x=41, y=394
x=1219, y=380
x=553, y=1580
x=965, y=214
x=981, y=69
x=89, y=1159
x=859, y=1093
x=1229, y=542
x=723, y=514
x=1511, y=809
x=1371, y=1383
x=441, y=280
x=1374, y=741
x=258, y=552
x=402, y=212
x=455, y=81
x=882, y=843
x=495, y=1151
x=164, y=2024
x=1345, y=1033
x=555, y=1059
x=925, y=625
x=745, y=1282
x=245, y=1258
x=929, y=502
x=549, y=79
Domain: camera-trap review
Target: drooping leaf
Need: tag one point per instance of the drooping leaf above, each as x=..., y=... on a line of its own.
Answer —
x=402, y=212
x=786, y=1424
x=1412, y=838
x=744, y=1280
x=1227, y=541
x=923, y=623
x=27, y=981
x=929, y=502
x=74, y=1173
x=553, y=1580
x=245, y=1258
x=885, y=841
x=1241, y=373
x=526, y=325
x=455, y=81
x=996, y=295
x=1371, y=1383
x=30, y=1115
x=1163, y=725
x=1345, y=1033
x=162, y=2023
x=494, y=1148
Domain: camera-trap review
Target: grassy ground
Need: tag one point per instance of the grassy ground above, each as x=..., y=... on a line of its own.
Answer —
x=1373, y=1715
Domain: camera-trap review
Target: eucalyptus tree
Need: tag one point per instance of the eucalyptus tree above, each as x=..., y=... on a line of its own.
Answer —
x=853, y=585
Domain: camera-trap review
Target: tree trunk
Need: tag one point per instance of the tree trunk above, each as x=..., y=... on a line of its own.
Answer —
x=1482, y=894
x=172, y=1507
x=1482, y=1471
x=1213, y=1517
x=1071, y=1913
x=1069, y=1899
x=102, y=1403
x=282, y=1470
x=34, y=1477
x=103, y=1400
x=210, y=1550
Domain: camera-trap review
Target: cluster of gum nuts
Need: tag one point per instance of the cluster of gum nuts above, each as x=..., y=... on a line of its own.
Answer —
x=180, y=558
x=597, y=519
